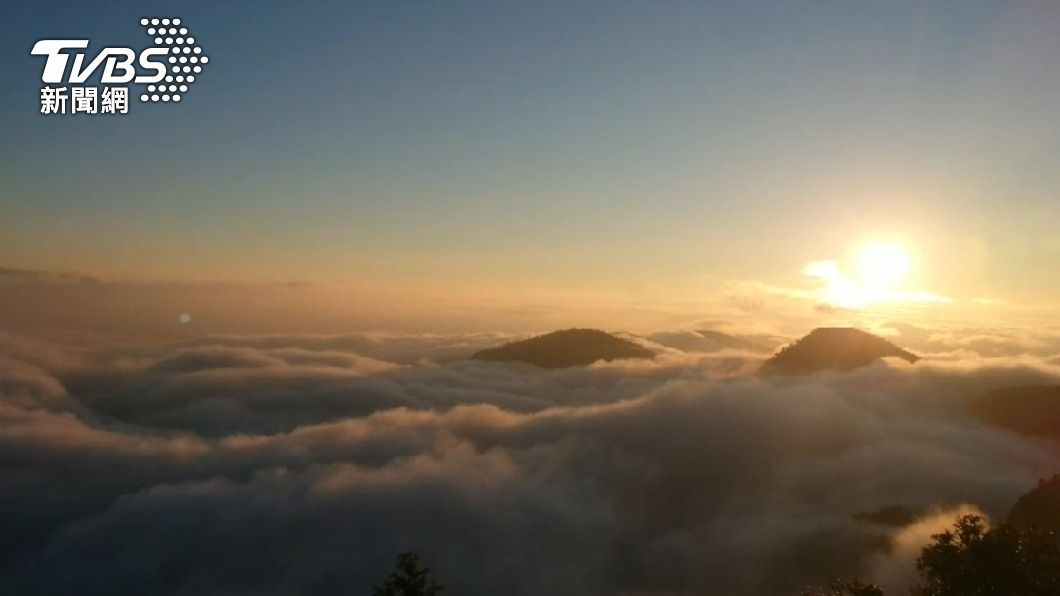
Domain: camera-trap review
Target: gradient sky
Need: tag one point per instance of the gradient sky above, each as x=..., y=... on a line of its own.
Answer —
x=602, y=146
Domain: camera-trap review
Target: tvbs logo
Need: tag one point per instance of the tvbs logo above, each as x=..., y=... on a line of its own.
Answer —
x=166, y=70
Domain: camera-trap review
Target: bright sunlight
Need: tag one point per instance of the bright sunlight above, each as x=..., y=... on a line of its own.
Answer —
x=880, y=270
x=882, y=267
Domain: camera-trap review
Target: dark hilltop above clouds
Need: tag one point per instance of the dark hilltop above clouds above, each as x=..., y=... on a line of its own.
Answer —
x=1040, y=507
x=1030, y=410
x=834, y=348
x=562, y=349
x=826, y=348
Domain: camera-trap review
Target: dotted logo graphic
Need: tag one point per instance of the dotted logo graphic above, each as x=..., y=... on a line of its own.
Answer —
x=186, y=59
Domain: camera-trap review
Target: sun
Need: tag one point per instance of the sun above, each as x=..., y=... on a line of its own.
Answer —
x=882, y=267
x=879, y=277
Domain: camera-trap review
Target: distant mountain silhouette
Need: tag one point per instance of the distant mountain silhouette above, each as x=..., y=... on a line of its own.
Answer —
x=704, y=340
x=833, y=348
x=1039, y=508
x=1032, y=410
x=895, y=516
x=561, y=349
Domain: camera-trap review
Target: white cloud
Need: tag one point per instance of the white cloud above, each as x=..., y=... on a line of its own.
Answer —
x=294, y=465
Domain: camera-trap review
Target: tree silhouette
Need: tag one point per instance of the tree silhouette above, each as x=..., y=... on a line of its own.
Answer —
x=409, y=578
x=971, y=560
x=1004, y=561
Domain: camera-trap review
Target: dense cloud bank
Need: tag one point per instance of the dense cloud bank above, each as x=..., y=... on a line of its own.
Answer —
x=301, y=465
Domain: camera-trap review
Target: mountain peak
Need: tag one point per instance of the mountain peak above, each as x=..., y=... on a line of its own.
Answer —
x=566, y=348
x=834, y=348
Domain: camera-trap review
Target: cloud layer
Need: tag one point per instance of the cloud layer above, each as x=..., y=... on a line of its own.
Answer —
x=302, y=464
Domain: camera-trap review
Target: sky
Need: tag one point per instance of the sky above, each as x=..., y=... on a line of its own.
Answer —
x=245, y=323
x=549, y=152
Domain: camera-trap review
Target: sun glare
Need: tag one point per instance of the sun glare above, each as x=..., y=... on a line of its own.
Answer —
x=882, y=267
x=878, y=276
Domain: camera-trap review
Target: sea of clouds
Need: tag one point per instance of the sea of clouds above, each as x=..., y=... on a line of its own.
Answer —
x=276, y=465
